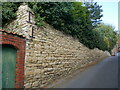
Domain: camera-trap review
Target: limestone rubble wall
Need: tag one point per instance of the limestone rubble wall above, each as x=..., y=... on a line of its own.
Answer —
x=50, y=54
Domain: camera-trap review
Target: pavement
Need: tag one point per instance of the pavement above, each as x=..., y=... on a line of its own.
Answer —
x=102, y=75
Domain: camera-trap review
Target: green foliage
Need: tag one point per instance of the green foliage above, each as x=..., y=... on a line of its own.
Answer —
x=36, y=7
x=108, y=36
x=70, y=17
x=73, y=18
x=8, y=11
x=95, y=12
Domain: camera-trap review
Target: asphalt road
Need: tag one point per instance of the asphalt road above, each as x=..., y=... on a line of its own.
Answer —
x=102, y=75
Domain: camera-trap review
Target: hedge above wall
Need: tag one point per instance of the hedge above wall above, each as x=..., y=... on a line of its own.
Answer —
x=8, y=11
x=73, y=18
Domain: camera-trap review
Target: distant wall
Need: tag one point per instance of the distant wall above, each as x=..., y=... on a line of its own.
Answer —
x=50, y=55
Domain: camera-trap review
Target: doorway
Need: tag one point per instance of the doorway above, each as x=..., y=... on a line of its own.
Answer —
x=9, y=54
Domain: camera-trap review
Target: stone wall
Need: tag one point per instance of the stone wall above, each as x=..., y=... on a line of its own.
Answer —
x=50, y=55
x=21, y=25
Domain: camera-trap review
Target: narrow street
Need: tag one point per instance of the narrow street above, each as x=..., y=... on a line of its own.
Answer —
x=101, y=75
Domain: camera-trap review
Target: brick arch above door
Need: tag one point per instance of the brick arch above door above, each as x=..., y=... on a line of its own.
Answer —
x=18, y=42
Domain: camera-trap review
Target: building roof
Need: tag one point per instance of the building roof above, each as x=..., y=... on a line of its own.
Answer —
x=13, y=33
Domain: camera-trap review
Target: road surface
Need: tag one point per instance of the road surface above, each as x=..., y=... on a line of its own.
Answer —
x=102, y=75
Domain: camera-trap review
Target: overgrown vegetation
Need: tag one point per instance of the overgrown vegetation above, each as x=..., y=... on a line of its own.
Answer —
x=8, y=11
x=107, y=35
x=73, y=18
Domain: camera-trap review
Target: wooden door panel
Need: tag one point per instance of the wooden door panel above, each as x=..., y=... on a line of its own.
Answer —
x=8, y=66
